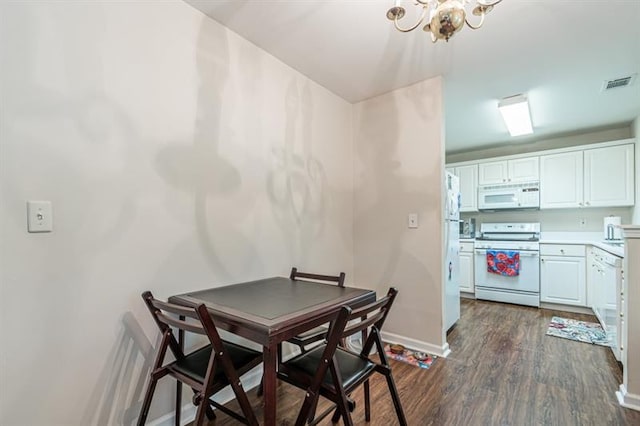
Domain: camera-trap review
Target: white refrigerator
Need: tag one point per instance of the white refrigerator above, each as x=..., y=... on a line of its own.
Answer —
x=452, y=251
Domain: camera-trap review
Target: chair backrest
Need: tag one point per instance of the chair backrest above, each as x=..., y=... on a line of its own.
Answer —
x=339, y=279
x=371, y=318
x=347, y=322
x=195, y=320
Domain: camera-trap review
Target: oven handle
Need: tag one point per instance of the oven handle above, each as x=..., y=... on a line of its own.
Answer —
x=528, y=253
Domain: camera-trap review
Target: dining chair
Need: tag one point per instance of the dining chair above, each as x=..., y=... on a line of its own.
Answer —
x=316, y=334
x=334, y=372
x=207, y=370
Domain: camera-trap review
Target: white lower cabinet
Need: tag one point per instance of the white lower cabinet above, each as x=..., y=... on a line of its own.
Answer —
x=563, y=274
x=466, y=267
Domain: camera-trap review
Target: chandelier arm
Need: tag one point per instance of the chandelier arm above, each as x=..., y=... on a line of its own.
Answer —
x=491, y=4
x=475, y=27
x=406, y=30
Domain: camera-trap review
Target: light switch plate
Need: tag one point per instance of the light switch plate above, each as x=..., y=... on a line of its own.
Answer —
x=39, y=216
x=413, y=220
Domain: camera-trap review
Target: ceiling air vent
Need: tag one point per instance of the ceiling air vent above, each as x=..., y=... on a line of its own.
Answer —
x=618, y=82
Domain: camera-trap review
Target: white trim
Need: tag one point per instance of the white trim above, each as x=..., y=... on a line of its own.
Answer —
x=628, y=400
x=441, y=351
x=467, y=295
x=249, y=381
x=631, y=231
x=568, y=308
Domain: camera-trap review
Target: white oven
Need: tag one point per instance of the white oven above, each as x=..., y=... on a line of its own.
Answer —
x=509, y=196
x=523, y=288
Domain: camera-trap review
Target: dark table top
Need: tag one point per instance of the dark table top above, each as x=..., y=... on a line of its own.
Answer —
x=272, y=306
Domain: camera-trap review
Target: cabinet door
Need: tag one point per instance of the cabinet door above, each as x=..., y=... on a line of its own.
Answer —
x=466, y=273
x=561, y=180
x=468, y=187
x=608, y=176
x=492, y=173
x=524, y=169
x=562, y=280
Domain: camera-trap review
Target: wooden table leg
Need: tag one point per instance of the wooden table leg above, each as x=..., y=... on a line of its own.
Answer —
x=269, y=386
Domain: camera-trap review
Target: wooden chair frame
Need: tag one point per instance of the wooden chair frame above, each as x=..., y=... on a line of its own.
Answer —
x=369, y=319
x=197, y=321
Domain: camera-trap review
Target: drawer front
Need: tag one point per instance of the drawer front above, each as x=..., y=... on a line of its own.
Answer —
x=562, y=250
x=466, y=246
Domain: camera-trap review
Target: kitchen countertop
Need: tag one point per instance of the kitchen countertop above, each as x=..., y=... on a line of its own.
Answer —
x=586, y=238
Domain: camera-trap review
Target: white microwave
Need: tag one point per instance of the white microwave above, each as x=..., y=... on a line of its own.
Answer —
x=515, y=196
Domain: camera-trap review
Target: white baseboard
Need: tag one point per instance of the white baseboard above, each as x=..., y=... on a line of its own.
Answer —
x=567, y=308
x=628, y=400
x=465, y=295
x=441, y=351
x=249, y=381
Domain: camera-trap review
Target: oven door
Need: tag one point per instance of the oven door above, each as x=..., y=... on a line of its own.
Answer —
x=527, y=281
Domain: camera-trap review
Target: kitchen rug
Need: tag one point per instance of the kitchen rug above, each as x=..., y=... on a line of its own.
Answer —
x=581, y=331
x=408, y=356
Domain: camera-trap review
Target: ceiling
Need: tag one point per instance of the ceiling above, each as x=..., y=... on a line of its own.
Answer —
x=558, y=52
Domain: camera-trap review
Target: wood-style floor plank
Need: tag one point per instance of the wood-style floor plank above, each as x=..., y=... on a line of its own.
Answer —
x=503, y=370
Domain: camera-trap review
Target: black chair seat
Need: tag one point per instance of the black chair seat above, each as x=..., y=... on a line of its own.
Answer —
x=195, y=364
x=352, y=366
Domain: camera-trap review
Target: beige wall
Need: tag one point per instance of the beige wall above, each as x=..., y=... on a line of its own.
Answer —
x=177, y=156
x=398, y=170
x=579, y=138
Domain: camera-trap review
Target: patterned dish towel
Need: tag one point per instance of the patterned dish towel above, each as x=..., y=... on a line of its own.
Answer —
x=503, y=262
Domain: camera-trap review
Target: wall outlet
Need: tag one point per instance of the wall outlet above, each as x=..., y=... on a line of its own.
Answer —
x=583, y=222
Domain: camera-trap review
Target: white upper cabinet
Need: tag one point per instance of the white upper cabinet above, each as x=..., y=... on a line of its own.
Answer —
x=608, y=176
x=561, y=180
x=492, y=173
x=509, y=171
x=524, y=169
x=599, y=177
x=468, y=187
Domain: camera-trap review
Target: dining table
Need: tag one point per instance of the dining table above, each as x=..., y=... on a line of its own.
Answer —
x=270, y=311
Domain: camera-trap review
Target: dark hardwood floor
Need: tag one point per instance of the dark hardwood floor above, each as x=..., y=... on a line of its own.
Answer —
x=503, y=370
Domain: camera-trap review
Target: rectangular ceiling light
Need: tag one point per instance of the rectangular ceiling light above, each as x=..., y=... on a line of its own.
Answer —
x=516, y=115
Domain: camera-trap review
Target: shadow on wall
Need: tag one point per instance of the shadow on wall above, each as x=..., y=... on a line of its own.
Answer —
x=88, y=150
x=296, y=183
x=117, y=397
x=387, y=191
x=200, y=169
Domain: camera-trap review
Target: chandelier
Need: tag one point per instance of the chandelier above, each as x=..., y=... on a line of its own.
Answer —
x=444, y=17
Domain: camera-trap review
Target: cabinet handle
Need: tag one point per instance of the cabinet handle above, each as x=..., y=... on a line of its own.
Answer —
x=562, y=251
x=621, y=314
x=588, y=203
x=580, y=204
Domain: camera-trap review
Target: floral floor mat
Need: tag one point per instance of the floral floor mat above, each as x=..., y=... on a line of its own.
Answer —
x=581, y=331
x=409, y=356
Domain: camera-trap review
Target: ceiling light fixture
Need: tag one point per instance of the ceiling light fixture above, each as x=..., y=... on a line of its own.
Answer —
x=445, y=17
x=516, y=115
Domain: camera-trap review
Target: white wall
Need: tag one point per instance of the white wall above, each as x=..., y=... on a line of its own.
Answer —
x=399, y=170
x=177, y=156
x=566, y=220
